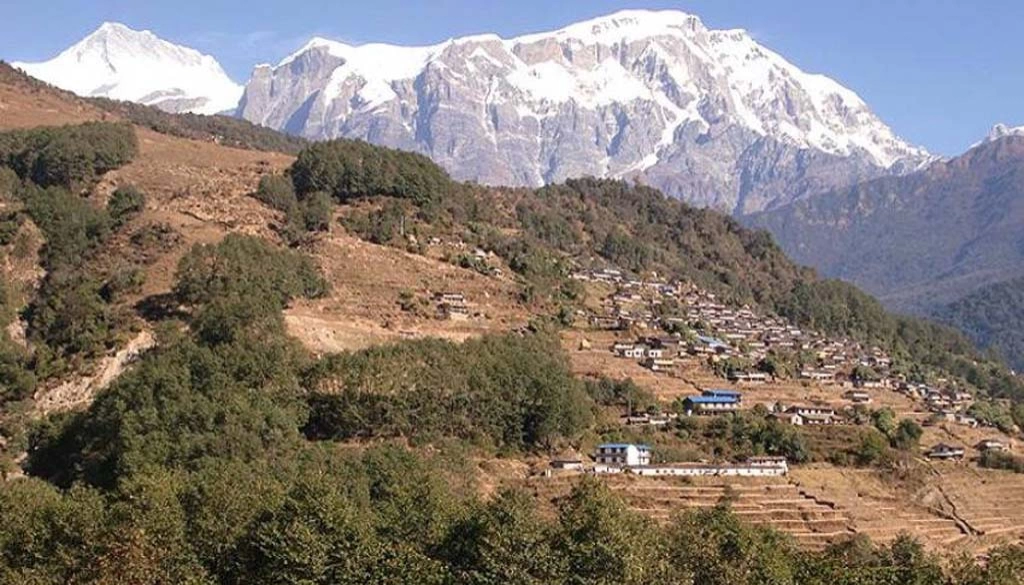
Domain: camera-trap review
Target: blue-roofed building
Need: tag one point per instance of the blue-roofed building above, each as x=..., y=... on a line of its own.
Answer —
x=724, y=393
x=623, y=454
x=710, y=404
x=708, y=345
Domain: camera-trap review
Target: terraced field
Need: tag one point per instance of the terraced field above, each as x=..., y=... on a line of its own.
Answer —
x=882, y=511
x=990, y=502
x=774, y=502
x=826, y=505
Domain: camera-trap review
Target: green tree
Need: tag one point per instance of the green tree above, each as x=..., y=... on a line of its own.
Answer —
x=871, y=449
x=150, y=544
x=907, y=435
x=716, y=548
x=602, y=543
x=503, y=542
x=884, y=419
x=277, y=192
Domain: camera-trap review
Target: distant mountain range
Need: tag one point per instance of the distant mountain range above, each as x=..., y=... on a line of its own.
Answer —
x=710, y=116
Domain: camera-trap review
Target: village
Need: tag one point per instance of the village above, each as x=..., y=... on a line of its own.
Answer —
x=667, y=327
x=703, y=359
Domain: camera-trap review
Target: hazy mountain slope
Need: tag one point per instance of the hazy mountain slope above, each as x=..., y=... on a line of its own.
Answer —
x=708, y=115
x=120, y=63
x=921, y=240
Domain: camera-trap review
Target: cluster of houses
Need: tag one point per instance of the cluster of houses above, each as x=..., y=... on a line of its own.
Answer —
x=945, y=403
x=658, y=353
x=718, y=401
x=723, y=332
x=611, y=458
x=708, y=330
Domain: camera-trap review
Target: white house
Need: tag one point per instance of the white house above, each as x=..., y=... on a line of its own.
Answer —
x=748, y=377
x=754, y=467
x=943, y=451
x=807, y=415
x=858, y=397
x=623, y=454
x=817, y=376
x=991, y=445
x=659, y=365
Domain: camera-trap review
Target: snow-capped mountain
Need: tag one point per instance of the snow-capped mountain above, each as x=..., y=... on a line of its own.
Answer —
x=120, y=63
x=708, y=115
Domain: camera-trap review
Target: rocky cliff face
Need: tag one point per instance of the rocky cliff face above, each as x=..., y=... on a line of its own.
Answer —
x=710, y=116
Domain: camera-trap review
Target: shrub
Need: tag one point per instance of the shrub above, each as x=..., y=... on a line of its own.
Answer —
x=316, y=211
x=1000, y=460
x=277, y=192
x=125, y=202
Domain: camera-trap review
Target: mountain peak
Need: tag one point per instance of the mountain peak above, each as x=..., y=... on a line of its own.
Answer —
x=114, y=28
x=1002, y=130
x=625, y=25
x=119, y=62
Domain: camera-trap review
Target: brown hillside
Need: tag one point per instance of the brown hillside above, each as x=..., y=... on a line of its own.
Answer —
x=199, y=191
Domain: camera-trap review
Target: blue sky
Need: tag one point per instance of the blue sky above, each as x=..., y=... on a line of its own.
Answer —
x=940, y=72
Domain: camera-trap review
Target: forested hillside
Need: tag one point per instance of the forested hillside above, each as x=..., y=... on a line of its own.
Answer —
x=993, y=317
x=921, y=240
x=543, y=233
x=191, y=468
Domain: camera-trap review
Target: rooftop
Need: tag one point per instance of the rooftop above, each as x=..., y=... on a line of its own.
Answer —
x=623, y=446
x=712, y=399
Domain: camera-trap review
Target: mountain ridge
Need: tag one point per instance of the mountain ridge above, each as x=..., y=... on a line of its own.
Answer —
x=645, y=94
x=708, y=116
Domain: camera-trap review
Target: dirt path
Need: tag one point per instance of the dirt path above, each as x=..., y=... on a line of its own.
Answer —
x=80, y=391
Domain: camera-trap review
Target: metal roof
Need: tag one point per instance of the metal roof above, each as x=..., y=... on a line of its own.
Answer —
x=722, y=392
x=712, y=399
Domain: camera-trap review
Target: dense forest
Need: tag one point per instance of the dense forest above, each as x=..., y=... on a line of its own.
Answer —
x=993, y=317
